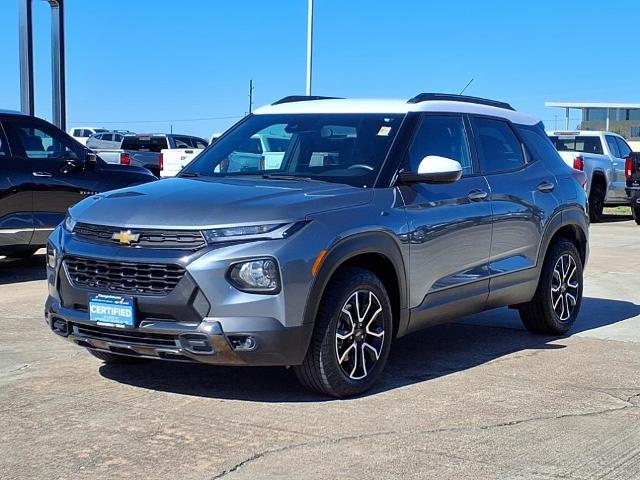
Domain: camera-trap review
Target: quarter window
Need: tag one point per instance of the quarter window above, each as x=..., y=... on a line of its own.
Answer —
x=498, y=147
x=443, y=136
x=623, y=147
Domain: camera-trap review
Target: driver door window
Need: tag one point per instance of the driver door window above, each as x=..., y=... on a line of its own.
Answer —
x=41, y=144
x=443, y=136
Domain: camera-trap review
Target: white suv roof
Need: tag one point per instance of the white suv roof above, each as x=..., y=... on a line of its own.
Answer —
x=361, y=105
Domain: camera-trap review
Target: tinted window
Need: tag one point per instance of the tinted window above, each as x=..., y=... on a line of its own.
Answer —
x=443, y=136
x=613, y=146
x=4, y=146
x=584, y=144
x=339, y=148
x=144, y=143
x=40, y=142
x=623, y=147
x=117, y=137
x=77, y=132
x=538, y=143
x=199, y=142
x=498, y=147
x=107, y=137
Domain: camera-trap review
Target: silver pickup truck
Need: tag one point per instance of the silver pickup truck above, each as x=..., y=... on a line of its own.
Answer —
x=601, y=155
x=154, y=152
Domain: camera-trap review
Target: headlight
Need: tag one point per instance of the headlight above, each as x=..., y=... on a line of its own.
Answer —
x=69, y=223
x=256, y=276
x=51, y=256
x=269, y=231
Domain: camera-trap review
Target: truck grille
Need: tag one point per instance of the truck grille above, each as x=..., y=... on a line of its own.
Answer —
x=133, y=278
x=148, y=238
x=125, y=336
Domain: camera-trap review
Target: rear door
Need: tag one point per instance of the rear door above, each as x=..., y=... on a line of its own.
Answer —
x=55, y=163
x=522, y=199
x=619, y=164
x=16, y=197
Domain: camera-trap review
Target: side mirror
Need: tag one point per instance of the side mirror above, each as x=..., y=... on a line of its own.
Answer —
x=434, y=169
x=90, y=160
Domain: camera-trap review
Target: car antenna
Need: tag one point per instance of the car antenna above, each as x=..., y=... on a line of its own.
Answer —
x=467, y=85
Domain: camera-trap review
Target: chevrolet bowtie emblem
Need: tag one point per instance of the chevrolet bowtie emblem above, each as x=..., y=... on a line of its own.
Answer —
x=125, y=237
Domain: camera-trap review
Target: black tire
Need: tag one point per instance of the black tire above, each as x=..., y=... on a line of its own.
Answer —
x=596, y=202
x=22, y=254
x=635, y=211
x=539, y=315
x=113, y=359
x=321, y=370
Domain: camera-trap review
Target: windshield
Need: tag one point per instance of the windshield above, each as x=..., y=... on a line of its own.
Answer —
x=584, y=144
x=338, y=148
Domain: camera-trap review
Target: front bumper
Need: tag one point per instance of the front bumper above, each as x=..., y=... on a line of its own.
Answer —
x=246, y=340
x=202, y=319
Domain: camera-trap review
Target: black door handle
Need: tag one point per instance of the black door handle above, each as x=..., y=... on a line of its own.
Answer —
x=477, y=195
x=546, y=187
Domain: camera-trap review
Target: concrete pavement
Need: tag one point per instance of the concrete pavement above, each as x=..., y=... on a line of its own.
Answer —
x=480, y=398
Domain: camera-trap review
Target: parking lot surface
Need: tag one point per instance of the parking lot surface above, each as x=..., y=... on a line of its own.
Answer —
x=480, y=398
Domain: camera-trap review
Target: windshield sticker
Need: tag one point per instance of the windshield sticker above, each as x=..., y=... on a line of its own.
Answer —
x=384, y=131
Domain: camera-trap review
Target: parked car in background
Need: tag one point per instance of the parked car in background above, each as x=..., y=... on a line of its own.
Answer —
x=43, y=172
x=601, y=156
x=163, y=154
x=632, y=174
x=215, y=137
x=82, y=134
x=105, y=140
x=383, y=217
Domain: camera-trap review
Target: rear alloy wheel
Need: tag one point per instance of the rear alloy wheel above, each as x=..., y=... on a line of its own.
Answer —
x=596, y=202
x=556, y=303
x=351, y=337
x=635, y=211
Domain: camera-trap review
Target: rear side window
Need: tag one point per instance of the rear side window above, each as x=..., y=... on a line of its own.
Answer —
x=613, y=146
x=498, y=147
x=581, y=143
x=623, y=147
x=537, y=142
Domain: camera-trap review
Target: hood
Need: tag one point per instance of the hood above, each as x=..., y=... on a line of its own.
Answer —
x=207, y=202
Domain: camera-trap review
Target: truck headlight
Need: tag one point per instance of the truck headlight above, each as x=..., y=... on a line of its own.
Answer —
x=51, y=256
x=256, y=276
x=69, y=223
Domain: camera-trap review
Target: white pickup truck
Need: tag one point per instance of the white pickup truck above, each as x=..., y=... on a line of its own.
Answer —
x=163, y=154
x=601, y=155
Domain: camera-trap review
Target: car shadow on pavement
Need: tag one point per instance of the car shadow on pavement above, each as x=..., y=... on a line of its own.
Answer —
x=419, y=357
x=23, y=270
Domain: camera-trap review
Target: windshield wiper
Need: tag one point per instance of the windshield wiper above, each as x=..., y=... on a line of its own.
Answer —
x=284, y=176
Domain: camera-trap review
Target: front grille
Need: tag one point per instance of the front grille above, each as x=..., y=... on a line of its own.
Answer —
x=125, y=336
x=122, y=277
x=148, y=238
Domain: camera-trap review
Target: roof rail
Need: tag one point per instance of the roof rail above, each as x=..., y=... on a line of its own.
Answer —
x=450, y=97
x=302, y=98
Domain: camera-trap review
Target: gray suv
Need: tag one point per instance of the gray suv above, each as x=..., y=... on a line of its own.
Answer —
x=373, y=219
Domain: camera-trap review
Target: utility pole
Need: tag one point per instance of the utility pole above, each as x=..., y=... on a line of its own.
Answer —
x=309, y=45
x=250, y=95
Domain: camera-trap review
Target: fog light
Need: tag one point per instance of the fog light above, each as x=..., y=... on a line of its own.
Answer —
x=256, y=276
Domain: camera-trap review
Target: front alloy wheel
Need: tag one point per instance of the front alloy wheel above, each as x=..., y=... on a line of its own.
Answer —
x=359, y=334
x=351, y=336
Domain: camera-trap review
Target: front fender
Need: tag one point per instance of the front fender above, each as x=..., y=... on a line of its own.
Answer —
x=379, y=242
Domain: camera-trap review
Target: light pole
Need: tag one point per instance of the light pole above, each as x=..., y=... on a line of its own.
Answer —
x=309, y=45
